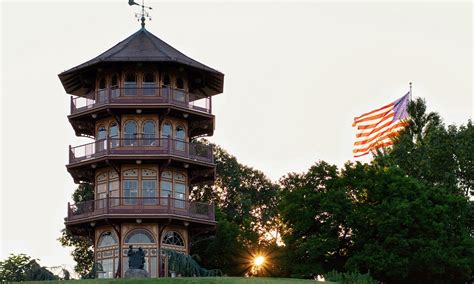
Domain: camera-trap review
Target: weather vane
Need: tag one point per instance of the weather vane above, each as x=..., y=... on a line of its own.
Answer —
x=143, y=15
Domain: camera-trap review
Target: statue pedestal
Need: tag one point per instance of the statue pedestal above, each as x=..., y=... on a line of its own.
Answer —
x=136, y=273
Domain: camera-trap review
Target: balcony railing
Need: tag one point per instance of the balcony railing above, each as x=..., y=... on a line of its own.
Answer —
x=138, y=206
x=138, y=146
x=127, y=96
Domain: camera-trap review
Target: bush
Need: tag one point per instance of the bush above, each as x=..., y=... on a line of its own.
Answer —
x=349, y=278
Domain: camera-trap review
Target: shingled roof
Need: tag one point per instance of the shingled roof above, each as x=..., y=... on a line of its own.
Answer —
x=143, y=46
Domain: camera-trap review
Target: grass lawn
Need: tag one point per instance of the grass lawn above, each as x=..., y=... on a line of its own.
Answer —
x=188, y=280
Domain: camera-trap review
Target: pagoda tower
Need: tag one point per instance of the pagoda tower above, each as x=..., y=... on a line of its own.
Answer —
x=142, y=103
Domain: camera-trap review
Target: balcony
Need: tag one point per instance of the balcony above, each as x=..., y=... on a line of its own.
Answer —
x=140, y=207
x=141, y=96
x=135, y=147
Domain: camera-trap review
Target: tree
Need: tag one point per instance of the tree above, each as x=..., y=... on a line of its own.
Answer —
x=315, y=209
x=425, y=149
x=224, y=250
x=246, y=209
x=404, y=230
x=82, y=242
x=13, y=269
x=17, y=268
x=404, y=217
x=464, y=153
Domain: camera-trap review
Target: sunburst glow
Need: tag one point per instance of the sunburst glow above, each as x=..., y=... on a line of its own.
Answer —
x=259, y=260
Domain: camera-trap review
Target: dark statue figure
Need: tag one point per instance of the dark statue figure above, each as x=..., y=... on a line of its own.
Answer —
x=136, y=259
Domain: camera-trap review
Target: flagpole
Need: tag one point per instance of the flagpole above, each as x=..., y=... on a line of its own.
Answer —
x=409, y=97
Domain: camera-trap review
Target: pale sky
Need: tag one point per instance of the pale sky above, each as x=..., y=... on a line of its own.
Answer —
x=295, y=76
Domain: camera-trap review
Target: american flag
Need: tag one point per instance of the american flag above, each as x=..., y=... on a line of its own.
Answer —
x=376, y=128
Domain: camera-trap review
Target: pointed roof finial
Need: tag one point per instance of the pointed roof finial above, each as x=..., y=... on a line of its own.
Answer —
x=410, y=84
x=143, y=15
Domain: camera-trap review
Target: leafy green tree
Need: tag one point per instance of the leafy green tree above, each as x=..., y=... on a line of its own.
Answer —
x=17, y=268
x=81, y=241
x=223, y=250
x=244, y=195
x=404, y=230
x=404, y=217
x=425, y=150
x=315, y=208
x=13, y=269
x=464, y=153
x=246, y=210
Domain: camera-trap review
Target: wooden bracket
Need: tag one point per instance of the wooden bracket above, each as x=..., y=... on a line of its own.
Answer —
x=114, y=166
x=117, y=119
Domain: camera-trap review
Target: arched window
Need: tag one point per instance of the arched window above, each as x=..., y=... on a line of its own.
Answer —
x=149, y=85
x=143, y=239
x=101, y=91
x=107, y=239
x=113, y=134
x=107, y=254
x=165, y=86
x=173, y=238
x=166, y=132
x=178, y=93
x=101, y=143
x=130, y=133
x=114, y=87
x=130, y=84
x=139, y=236
x=180, y=135
x=149, y=133
x=102, y=133
x=101, y=187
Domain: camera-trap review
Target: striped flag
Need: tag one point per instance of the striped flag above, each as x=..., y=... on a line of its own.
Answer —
x=376, y=128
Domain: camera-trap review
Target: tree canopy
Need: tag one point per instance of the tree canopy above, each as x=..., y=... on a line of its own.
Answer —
x=17, y=268
x=404, y=217
x=246, y=202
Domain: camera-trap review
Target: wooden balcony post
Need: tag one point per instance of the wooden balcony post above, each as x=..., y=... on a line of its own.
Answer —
x=210, y=105
x=70, y=154
x=72, y=104
x=107, y=200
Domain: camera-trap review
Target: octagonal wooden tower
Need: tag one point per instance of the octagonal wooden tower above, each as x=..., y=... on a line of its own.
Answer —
x=141, y=102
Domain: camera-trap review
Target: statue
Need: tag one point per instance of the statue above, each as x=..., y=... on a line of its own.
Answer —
x=140, y=254
x=136, y=263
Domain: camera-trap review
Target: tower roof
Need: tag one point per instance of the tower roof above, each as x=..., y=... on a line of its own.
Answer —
x=143, y=46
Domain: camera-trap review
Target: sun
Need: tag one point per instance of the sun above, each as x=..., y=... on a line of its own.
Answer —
x=259, y=260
